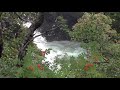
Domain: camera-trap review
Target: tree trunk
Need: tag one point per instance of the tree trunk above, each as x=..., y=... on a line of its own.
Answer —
x=36, y=24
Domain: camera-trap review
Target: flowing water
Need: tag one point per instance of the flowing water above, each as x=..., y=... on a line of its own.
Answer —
x=59, y=48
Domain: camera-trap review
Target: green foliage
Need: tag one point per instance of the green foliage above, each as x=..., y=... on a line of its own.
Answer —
x=13, y=34
x=111, y=69
x=9, y=59
x=30, y=67
x=93, y=30
x=113, y=50
x=92, y=27
x=62, y=24
x=116, y=17
x=75, y=68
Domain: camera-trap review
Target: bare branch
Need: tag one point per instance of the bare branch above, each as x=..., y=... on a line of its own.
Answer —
x=20, y=17
x=29, y=36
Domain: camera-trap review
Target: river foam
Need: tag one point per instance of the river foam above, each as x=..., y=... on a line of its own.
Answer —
x=59, y=48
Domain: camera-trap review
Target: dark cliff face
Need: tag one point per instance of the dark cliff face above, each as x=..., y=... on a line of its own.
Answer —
x=71, y=17
x=49, y=23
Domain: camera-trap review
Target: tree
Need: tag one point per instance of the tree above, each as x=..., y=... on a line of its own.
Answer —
x=1, y=42
x=116, y=22
x=93, y=28
x=36, y=24
x=1, y=39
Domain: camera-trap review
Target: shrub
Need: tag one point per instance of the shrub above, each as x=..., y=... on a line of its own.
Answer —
x=77, y=68
x=32, y=65
x=92, y=27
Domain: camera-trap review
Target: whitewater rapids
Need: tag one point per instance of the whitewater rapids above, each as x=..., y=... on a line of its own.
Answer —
x=59, y=48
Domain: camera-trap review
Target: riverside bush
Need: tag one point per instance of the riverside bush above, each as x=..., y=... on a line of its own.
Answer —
x=32, y=65
x=102, y=59
x=93, y=27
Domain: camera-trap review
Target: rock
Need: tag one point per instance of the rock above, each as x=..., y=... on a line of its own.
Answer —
x=49, y=22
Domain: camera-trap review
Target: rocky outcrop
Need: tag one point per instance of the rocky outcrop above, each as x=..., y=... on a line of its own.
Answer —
x=49, y=24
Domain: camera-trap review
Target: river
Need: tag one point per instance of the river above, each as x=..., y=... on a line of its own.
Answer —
x=59, y=48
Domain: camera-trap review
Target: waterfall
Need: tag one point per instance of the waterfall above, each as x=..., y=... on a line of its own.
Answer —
x=59, y=48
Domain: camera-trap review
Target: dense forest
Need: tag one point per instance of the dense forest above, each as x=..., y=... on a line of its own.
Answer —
x=97, y=32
